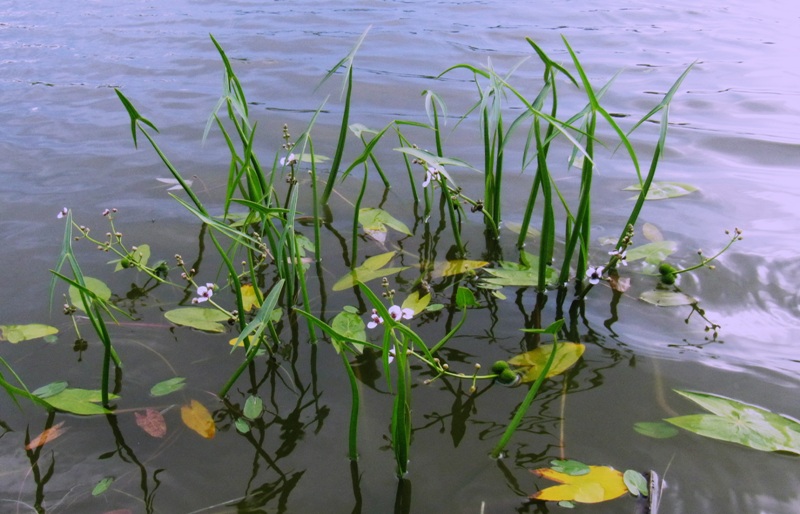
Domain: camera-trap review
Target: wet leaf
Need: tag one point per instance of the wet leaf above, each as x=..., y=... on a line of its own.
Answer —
x=97, y=286
x=249, y=298
x=636, y=483
x=371, y=269
x=740, y=423
x=457, y=267
x=663, y=190
x=664, y=298
x=102, y=486
x=46, y=436
x=197, y=417
x=168, y=386
x=652, y=253
x=376, y=220
x=83, y=402
x=533, y=362
x=416, y=303
x=208, y=320
x=656, y=429
x=253, y=407
x=601, y=483
x=17, y=333
x=513, y=274
x=49, y=390
x=152, y=422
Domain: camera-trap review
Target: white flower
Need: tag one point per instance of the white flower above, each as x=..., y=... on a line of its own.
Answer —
x=204, y=293
x=397, y=313
x=376, y=320
x=391, y=354
x=595, y=273
x=62, y=213
x=621, y=256
x=106, y=212
x=291, y=160
x=430, y=174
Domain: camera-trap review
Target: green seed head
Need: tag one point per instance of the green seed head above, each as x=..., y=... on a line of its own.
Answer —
x=499, y=366
x=666, y=268
x=507, y=377
x=668, y=278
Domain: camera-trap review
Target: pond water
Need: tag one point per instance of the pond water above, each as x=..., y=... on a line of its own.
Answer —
x=66, y=142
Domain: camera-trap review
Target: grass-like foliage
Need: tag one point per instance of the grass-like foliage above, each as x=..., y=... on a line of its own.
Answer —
x=266, y=247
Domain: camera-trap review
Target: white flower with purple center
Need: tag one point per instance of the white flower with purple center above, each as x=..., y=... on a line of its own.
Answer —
x=595, y=274
x=376, y=320
x=398, y=313
x=621, y=256
x=62, y=213
x=291, y=160
x=204, y=293
x=430, y=174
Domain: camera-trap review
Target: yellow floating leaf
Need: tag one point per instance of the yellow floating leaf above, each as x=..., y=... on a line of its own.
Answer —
x=533, y=362
x=602, y=483
x=197, y=417
x=249, y=298
x=416, y=303
x=457, y=267
x=46, y=436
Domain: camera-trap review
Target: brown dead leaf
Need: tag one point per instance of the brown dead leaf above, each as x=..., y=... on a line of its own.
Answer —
x=46, y=436
x=152, y=422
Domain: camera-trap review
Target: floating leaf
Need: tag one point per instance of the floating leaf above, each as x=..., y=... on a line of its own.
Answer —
x=740, y=423
x=46, y=436
x=152, y=422
x=168, y=386
x=635, y=482
x=51, y=389
x=376, y=220
x=208, y=320
x=102, y=486
x=16, y=333
x=533, y=362
x=652, y=253
x=457, y=267
x=350, y=325
x=197, y=417
x=140, y=256
x=241, y=426
x=371, y=269
x=570, y=467
x=663, y=190
x=513, y=274
x=253, y=407
x=83, y=402
x=664, y=298
x=97, y=286
x=465, y=298
x=416, y=303
x=249, y=298
x=656, y=429
x=602, y=483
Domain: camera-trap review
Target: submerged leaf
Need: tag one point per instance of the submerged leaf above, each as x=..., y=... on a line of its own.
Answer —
x=51, y=389
x=196, y=416
x=253, y=407
x=663, y=298
x=376, y=220
x=457, y=267
x=664, y=190
x=152, y=422
x=533, y=362
x=601, y=483
x=208, y=320
x=652, y=253
x=741, y=423
x=656, y=430
x=17, y=333
x=249, y=298
x=570, y=467
x=46, y=436
x=102, y=486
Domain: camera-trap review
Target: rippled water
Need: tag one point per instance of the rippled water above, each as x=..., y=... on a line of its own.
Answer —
x=65, y=140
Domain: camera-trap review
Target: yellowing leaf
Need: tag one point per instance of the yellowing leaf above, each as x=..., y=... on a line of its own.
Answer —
x=533, y=362
x=152, y=422
x=249, y=298
x=456, y=267
x=46, y=436
x=371, y=269
x=602, y=483
x=416, y=303
x=16, y=333
x=197, y=417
